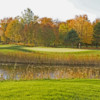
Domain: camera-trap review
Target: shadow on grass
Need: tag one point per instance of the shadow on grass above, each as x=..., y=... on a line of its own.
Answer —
x=15, y=48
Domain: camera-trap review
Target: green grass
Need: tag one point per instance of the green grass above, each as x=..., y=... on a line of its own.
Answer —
x=73, y=89
x=13, y=48
x=16, y=48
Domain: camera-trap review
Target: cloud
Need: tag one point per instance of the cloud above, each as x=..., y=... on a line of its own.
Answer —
x=91, y=6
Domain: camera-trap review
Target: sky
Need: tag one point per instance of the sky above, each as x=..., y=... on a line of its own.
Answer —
x=56, y=9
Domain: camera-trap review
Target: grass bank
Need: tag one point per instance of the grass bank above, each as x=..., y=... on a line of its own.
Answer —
x=44, y=55
x=50, y=90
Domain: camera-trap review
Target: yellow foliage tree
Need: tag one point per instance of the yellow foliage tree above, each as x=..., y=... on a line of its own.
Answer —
x=10, y=31
x=84, y=28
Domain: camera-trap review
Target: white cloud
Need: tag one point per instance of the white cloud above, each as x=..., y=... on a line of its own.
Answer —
x=90, y=6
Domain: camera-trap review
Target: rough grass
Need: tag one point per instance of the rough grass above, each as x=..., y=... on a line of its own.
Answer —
x=50, y=90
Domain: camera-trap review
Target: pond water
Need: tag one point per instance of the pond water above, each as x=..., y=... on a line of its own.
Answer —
x=29, y=72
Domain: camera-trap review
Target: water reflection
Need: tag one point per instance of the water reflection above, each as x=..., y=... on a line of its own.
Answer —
x=29, y=72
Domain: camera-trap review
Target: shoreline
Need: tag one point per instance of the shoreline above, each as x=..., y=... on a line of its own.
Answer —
x=49, y=64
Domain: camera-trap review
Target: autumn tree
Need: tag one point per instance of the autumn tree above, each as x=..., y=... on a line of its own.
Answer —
x=46, y=34
x=84, y=28
x=32, y=33
x=87, y=36
x=1, y=33
x=96, y=21
x=12, y=31
x=97, y=34
x=56, y=34
x=46, y=21
x=28, y=16
x=63, y=29
x=4, y=23
x=29, y=20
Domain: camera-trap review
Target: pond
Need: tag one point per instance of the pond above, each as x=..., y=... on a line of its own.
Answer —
x=30, y=72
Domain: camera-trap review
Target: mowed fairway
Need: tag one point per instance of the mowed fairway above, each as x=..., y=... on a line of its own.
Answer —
x=50, y=90
x=15, y=48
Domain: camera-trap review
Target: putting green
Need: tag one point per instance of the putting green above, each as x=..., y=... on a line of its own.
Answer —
x=48, y=49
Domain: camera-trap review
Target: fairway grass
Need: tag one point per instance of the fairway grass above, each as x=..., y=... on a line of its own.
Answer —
x=10, y=48
x=73, y=89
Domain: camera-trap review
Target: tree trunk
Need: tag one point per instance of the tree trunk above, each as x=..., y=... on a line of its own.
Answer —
x=72, y=45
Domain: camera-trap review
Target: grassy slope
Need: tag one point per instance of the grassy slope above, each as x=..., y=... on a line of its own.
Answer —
x=50, y=90
x=48, y=55
x=15, y=48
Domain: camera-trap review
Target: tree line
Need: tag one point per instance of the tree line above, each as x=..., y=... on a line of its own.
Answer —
x=29, y=29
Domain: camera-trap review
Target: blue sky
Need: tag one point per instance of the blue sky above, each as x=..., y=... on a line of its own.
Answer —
x=57, y=9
